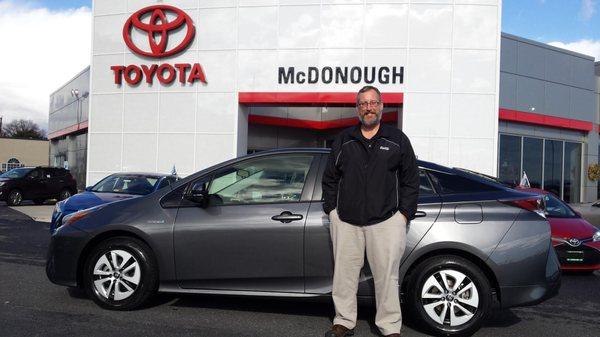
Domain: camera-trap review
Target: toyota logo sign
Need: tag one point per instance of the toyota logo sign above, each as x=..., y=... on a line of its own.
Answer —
x=158, y=27
x=155, y=23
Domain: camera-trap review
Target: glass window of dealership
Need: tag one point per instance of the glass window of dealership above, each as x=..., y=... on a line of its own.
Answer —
x=552, y=165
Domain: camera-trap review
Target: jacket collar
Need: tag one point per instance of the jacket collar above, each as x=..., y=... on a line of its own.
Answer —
x=383, y=132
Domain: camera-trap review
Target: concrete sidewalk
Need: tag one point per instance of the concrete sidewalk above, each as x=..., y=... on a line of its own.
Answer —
x=42, y=213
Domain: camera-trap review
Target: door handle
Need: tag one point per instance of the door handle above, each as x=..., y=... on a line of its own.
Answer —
x=420, y=214
x=287, y=217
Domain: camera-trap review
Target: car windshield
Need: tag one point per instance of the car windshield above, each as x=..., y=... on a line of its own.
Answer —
x=16, y=173
x=557, y=209
x=127, y=184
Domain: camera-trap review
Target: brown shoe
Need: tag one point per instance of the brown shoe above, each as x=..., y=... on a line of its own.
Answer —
x=338, y=330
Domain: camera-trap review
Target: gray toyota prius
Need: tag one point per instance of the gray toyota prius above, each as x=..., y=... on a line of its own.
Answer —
x=255, y=226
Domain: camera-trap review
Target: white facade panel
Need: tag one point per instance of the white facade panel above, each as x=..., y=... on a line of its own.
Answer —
x=431, y=26
x=141, y=113
x=474, y=71
x=449, y=51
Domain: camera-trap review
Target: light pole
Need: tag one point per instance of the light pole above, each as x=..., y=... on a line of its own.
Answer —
x=75, y=93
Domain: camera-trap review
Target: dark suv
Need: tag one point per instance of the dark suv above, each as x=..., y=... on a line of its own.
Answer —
x=37, y=184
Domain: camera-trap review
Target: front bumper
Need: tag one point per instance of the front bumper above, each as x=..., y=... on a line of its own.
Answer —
x=65, y=249
x=56, y=220
x=513, y=296
x=585, y=257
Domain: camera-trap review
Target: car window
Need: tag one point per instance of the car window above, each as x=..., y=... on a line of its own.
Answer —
x=165, y=182
x=16, y=173
x=50, y=172
x=36, y=174
x=126, y=184
x=425, y=187
x=452, y=183
x=58, y=172
x=272, y=179
x=556, y=208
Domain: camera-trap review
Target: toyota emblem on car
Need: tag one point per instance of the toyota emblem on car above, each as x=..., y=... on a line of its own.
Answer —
x=574, y=242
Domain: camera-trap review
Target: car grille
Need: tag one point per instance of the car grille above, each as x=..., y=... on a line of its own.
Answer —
x=582, y=255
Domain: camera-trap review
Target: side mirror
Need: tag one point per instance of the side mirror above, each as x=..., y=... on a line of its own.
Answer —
x=198, y=196
x=89, y=188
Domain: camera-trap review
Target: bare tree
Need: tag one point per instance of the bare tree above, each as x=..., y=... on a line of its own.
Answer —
x=23, y=129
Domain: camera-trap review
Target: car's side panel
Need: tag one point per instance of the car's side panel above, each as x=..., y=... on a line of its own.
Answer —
x=524, y=248
x=478, y=239
x=141, y=217
x=32, y=187
x=239, y=247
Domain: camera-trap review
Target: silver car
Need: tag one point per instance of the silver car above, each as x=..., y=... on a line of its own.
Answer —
x=255, y=226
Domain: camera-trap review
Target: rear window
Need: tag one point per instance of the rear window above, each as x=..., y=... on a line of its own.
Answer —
x=452, y=183
x=54, y=172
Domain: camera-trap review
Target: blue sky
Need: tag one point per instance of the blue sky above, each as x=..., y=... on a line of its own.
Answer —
x=552, y=20
x=62, y=4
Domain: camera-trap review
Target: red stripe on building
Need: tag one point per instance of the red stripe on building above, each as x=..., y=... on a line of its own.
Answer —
x=253, y=98
x=315, y=125
x=544, y=120
x=69, y=130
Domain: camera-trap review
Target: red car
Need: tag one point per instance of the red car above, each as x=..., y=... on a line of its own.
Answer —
x=576, y=241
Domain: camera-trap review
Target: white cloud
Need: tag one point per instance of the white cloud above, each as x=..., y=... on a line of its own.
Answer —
x=587, y=10
x=587, y=47
x=41, y=50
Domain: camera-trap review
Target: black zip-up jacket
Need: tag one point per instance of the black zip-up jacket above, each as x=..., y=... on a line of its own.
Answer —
x=368, y=180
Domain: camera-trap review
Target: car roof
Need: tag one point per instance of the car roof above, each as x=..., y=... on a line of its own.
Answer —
x=421, y=163
x=142, y=174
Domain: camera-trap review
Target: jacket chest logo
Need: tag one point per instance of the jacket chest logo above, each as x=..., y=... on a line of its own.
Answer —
x=384, y=148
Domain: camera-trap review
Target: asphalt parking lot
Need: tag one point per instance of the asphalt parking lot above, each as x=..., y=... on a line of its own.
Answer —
x=32, y=306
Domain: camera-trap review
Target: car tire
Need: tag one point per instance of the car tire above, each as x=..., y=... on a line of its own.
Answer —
x=15, y=197
x=128, y=284
x=64, y=194
x=39, y=201
x=443, y=307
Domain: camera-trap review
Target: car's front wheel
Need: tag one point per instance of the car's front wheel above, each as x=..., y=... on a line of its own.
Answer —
x=449, y=295
x=15, y=197
x=64, y=194
x=121, y=274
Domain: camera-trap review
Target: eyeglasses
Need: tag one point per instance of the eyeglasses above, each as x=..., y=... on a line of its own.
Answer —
x=363, y=105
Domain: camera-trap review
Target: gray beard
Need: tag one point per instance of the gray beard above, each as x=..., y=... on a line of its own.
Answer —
x=371, y=123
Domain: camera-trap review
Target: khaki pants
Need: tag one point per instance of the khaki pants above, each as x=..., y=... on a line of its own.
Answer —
x=384, y=243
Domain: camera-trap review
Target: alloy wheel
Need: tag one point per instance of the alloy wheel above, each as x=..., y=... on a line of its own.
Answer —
x=65, y=195
x=16, y=198
x=450, y=297
x=116, y=275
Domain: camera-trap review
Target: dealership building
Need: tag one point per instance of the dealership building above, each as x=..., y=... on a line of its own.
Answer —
x=188, y=84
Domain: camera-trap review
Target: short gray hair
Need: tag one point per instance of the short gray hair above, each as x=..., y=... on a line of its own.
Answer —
x=368, y=88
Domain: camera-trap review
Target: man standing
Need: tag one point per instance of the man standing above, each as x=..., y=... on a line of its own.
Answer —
x=371, y=186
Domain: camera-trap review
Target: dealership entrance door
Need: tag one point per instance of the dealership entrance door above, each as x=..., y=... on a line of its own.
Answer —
x=281, y=120
x=272, y=127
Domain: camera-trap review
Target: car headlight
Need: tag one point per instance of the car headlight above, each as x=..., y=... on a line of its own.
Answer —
x=596, y=237
x=74, y=217
x=58, y=207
